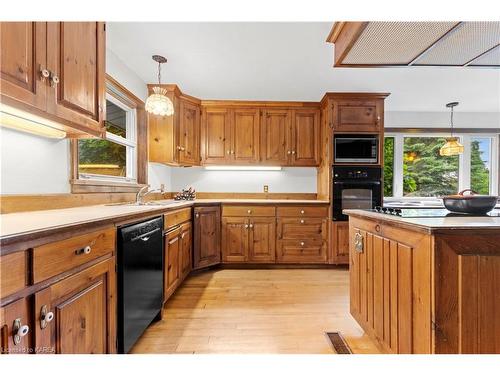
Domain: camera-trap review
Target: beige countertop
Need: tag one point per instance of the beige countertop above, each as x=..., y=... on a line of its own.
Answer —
x=432, y=224
x=24, y=224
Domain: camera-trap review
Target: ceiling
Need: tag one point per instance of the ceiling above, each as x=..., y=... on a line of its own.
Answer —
x=287, y=61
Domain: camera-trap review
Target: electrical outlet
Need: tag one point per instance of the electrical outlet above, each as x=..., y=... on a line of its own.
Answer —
x=266, y=188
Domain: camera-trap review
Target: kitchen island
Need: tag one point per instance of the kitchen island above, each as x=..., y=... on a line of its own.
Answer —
x=426, y=285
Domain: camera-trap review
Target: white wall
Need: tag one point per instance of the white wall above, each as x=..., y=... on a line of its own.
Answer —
x=478, y=120
x=288, y=180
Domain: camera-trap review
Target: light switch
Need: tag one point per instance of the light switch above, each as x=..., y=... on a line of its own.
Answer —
x=266, y=188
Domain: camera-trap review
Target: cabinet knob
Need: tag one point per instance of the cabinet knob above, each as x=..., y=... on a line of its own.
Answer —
x=249, y=211
x=289, y=152
x=44, y=73
x=86, y=250
x=293, y=152
x=302, y=212
x=46, y=316
x=251, y=226
x=54, y=79
x=302, y=221
x=302, y=244
x=19, y=330
x=246, y=226
x=232, y=152
x=197, y=215
x=228, y=152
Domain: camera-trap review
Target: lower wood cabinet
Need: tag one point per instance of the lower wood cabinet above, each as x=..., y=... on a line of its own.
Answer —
x=186, y=250
x=16, y=327
x=206, y=236
x=339, y=242
x=235, y=239
x=172, y=248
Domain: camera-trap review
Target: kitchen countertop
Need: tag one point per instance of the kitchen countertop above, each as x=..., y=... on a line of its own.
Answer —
x=431, y=224
x=15, y=227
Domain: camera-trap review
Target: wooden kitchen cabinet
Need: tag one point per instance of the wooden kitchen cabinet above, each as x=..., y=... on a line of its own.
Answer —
x=262, y=240
x=340, y=242
x=78, y=314
x=175, y=140
x=56, y=70
x=186, y=247
x=172, y=274
x=206, y=236
x=16, y=328
x=275, y=136
x=305, y=138
x=358, y=115
x=215, y=135
x=235, y=239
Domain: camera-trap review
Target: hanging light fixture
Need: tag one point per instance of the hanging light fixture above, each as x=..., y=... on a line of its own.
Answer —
x=158, y=103
x=452, y=146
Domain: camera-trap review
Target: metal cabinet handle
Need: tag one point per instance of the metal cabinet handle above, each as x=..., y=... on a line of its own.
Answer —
x=358, y=242
x=46, y=316
x=86, y=250
x=19, y=331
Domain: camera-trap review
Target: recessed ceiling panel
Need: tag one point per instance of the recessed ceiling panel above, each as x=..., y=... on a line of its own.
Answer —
x=394, y=43
x=491, y=58
x=463, y=44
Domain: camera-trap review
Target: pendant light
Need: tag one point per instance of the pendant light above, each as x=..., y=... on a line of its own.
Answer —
x=158, y=102
x=452, y=146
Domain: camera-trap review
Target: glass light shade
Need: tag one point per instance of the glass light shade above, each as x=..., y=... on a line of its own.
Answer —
x=158, y=103
x=451, y=147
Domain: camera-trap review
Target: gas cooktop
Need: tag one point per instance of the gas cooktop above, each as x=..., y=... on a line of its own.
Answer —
x=428, y=212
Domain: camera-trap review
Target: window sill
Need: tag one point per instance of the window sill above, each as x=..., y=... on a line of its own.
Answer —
x=102, y=186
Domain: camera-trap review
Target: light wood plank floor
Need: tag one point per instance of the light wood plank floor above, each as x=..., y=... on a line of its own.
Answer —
x=257, y=311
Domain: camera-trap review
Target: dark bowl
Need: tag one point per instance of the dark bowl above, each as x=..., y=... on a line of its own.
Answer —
x=477, y=204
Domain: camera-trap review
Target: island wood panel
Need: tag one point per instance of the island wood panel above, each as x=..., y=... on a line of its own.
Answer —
x=206, y=234
x=245, y=128
x=275, y=136
x=189, y=133
x=216, y=135
x=76, y=55
x=305, y=138
x=262, y=240
x=22, y=59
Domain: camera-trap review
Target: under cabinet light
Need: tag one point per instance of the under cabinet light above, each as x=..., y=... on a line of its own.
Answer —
x=241, y=168
x=29, y=123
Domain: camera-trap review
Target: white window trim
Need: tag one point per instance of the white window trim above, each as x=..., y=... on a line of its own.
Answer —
x=130, y=144
x=464, y=162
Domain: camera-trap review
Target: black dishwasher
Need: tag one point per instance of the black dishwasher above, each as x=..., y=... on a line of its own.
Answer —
x=140, y=279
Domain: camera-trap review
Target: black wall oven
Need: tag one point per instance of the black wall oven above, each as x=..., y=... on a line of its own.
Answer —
x=355, y=188
x=355, y=149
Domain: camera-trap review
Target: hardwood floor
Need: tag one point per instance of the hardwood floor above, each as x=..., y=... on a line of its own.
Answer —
x=257, y=311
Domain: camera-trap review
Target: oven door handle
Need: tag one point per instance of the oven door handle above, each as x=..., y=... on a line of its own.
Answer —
x=356, y=182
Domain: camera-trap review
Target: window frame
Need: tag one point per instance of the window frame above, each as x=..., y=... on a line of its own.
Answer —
x=135, y=144
x=464, y=161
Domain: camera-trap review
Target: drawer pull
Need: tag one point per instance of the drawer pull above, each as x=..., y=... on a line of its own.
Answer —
x=45, y=316
x=302, y=221
x=84, y=250
x=19, y=331
x=302, y=212
x=302, y=244
x=249, y=211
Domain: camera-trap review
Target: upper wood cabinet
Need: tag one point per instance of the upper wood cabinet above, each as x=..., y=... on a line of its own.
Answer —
x=305, y=136
x=275, y=136
x=175, y=140
x=56, y=70
x=245, y=125
x=215, y=133
x=356, y=112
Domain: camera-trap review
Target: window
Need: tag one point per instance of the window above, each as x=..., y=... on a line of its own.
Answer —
x=414, y=168
x=113, y=158
x=117, y=163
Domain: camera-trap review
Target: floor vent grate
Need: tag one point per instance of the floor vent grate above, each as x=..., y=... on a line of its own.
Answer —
x=338, y=343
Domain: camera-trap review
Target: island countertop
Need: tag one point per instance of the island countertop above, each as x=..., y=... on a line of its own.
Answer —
x=431, y=224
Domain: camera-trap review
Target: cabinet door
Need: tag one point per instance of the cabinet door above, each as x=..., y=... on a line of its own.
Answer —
x=172, y=274
x=358, y=116
x=189, y=134
x=340, y=243
x=185, y=259
x=235, y=239
x=206, y=244
x=245, y=136
x=262, y=240
x=305, y=138
x=16, y=328
x=216, y=145
x=22, y=60
x=275, y=140
x=76, y=56
x=78, y=315
x=301, y=251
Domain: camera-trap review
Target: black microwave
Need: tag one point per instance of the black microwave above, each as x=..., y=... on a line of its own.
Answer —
x=359, y=149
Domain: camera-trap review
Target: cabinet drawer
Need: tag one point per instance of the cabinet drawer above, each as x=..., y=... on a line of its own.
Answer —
x=303, y=211
x=177, y=217
x=248, y=211
x=302, y=228
x=55, y=258
x=301, y=251
x=13, y=272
